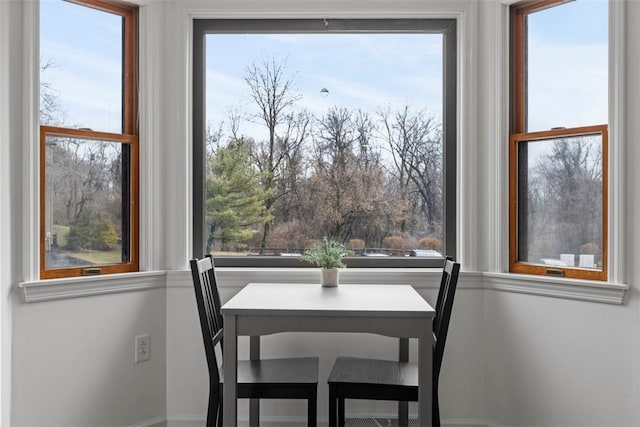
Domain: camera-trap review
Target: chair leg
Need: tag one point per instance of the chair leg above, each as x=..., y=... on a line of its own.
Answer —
x=212, y=414
x=435, y=412
x=312, y=409
x=403, y=414
x=332, y=406
x=254, y=412
x=220, y=405
x=341, y=412
x=214, y=406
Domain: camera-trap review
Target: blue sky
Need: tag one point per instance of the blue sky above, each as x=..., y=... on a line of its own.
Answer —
x=568, y=65
x=360, y=71
x=568, y=57
x=86, y=49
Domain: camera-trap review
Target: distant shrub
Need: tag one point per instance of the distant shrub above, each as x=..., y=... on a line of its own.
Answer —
x=310, y=243
x=107, y=238
x=590, y=248
x=430, y=243
x=92, y=232
x=355, y=244
x=289, y=235
x=395, y=244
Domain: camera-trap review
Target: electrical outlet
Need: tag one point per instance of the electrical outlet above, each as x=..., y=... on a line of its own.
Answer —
x=143, y=349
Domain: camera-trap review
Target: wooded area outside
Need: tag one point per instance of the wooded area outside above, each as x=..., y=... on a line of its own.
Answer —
x=561, y=201
x=371, y=179
x=88, y=146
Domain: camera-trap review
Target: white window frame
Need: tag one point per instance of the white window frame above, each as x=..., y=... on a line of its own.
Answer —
x=496, y=273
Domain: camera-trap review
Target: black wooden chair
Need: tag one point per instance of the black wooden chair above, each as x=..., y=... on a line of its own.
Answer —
x=358, y=378
x=257, y=379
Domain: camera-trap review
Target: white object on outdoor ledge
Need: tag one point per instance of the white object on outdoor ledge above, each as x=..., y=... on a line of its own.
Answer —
x=568, y=259
x=587, y=260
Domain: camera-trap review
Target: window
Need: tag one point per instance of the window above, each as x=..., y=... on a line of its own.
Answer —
x=324, y=127
x=88, y=139
x=559, y=139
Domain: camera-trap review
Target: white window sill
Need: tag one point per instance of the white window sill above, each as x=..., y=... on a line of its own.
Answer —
x=72, y=287
x=233, y=277
x=585, y=290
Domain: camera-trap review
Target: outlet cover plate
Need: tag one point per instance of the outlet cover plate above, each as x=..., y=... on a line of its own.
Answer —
x=142, y=348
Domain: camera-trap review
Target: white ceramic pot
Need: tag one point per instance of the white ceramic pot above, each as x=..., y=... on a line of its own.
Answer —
x=330, y=277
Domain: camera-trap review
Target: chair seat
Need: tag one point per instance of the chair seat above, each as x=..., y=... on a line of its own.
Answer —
x=291, y=371
x=352, y=370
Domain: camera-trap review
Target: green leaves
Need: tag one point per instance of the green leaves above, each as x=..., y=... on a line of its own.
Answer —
x=327, y=254
x=235, y=198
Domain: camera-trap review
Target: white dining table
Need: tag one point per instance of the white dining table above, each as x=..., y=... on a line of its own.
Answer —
x=392, y=310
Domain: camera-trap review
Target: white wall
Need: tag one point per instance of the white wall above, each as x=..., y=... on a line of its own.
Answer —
x=560, y=362
x=9, y=184
x=66, y=362
x=513, y=359
x=555, y=362
x=73, y=361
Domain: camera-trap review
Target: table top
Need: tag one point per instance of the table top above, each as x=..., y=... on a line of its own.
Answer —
x=313, y=299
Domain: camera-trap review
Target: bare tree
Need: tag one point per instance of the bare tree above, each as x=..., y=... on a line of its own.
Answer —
x=79, y=175
x=415, y=143
x=565, y=195
x=291, y=167
x=275, y=97
x=50, y=110
x=346, y=183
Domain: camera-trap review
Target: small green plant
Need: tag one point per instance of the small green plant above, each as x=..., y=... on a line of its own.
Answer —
x=327, y=254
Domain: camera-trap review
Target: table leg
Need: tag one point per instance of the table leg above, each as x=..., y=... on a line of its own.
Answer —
x=333, y=405
x=425, y=374
x=254, y=404
x=229, y=401
x=403, y=407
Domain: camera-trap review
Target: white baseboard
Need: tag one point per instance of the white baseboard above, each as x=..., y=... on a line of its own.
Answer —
x=154, y=422
x=244, y=422
x=466, y=422
x=302, y=422
x=185, y=421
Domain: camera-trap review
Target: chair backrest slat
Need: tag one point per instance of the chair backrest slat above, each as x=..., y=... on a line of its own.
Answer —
x=444, y=307
x=211, y=321
x=443, y=285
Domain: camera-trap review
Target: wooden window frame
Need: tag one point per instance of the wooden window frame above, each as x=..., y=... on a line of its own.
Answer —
x=129, y=137
x=519, y=133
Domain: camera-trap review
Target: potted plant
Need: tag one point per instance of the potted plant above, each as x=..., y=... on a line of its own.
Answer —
x=327, y=255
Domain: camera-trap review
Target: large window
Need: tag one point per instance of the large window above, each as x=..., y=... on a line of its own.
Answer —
x=305, y=129
x=559, y=139
x=88, y=139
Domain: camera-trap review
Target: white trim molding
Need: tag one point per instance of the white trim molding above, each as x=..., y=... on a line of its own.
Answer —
x=150, y=191
x=617, y=140
x=582, y=290
x=585, y=290
x=149, y=62
x=497, y=147
x=31, y=141
x=55, y=289
x=419, y=278
x=154, y=422
x=276, y=421
x=236, y=278
x=8, y=236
